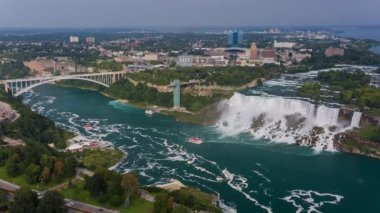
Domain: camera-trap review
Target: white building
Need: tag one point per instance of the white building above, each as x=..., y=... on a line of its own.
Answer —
x=90, y=40
x=150, y=57
x=185, y=60
x=74, y=39
x=75, y=147
x=244, y=55
x=284, y=45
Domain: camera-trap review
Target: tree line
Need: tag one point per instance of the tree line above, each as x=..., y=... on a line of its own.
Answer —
x=26, y=200
x=351, y=88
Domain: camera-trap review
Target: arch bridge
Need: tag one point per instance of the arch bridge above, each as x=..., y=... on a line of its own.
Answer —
x=18, y=86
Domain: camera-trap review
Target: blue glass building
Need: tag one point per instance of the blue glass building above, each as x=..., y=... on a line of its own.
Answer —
x=235, y=38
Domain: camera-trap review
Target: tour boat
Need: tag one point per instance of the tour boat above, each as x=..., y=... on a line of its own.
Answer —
x=219, y=179
x=149, y=112
x=87, y=127
x=195, y=140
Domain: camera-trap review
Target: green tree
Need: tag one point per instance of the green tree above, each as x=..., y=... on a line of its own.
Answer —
x=345, y=80
x=13, y=70
x=52, y=202
x=4, y=155
x=47, y=161
x=96, y=185
x=346, y=96
x=14, y=166
x=310, y=90
x=131, y=186
x=58, y=169
x=45, y=175
x=32, y=173
x=161, y=203
x=115, y=191
x=3, y=196
x=70, y=166
x=25, y=200
x=180, y=209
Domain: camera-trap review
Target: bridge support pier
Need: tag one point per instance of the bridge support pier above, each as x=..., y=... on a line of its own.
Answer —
x=6, y=87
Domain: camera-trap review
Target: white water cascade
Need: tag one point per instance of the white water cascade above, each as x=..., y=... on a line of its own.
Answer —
x=355, y=121
x=283, y=120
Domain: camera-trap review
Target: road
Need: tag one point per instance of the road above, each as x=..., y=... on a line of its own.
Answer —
x=72, y=205
x=9, y=187
x=85, y=207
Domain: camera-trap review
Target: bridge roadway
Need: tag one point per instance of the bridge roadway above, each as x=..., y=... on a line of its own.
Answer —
x=19, y=86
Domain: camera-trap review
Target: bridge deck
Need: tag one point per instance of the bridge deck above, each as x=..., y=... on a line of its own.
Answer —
x=19, y=86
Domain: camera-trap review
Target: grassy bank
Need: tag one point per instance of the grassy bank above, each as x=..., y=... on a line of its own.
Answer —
x=94, y=159
x=77, y=192
x=207, y=116
x=21, y=181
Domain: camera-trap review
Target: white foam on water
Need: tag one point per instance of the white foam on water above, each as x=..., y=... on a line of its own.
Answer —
x=204, y=170
x=146, y=148
x=238, y=183
x=305, y=200
x=261, y=175
x=132, y=147
x=143, y=174
x=176, y=158
x=200, y=177
x=134, y=140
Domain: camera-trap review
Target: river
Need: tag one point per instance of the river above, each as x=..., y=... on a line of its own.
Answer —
x=260, y=175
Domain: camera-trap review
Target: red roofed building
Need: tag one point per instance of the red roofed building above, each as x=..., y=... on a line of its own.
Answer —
x=330, y=52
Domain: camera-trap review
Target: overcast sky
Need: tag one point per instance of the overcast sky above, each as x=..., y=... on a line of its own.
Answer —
x=134, y=13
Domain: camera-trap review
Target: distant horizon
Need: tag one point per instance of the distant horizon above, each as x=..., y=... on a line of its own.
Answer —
x=194, y=13
x=191, y=27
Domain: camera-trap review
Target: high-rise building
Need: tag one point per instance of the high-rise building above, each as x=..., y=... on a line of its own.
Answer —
x=254, y=52
x=74, y=39
x=90, y=40
x=235, y=38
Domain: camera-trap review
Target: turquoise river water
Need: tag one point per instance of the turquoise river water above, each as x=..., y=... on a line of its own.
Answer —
x=259, y=176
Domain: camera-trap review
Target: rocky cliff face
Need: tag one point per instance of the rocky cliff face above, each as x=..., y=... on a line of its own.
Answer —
x=351, y=142
x=201, y=90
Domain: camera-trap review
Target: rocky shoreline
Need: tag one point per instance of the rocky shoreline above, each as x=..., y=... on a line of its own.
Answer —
x=350, y=142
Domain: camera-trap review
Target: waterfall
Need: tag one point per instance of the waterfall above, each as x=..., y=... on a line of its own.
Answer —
x=355, y=121
x=282, y=120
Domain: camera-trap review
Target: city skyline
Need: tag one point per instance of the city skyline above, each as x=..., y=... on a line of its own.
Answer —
x=167, y=13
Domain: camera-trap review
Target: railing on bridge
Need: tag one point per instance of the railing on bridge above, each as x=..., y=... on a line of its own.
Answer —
x=18, y=86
